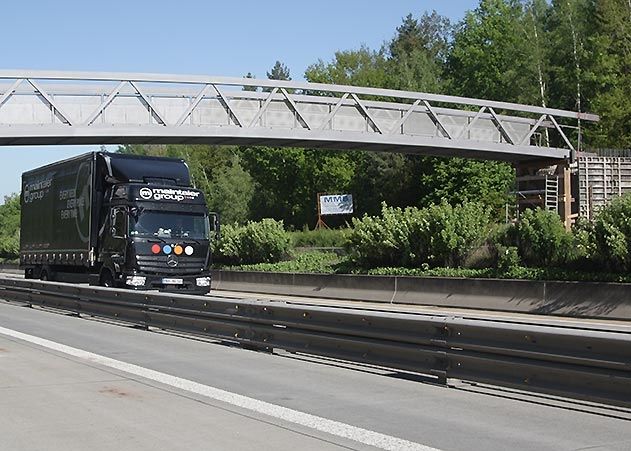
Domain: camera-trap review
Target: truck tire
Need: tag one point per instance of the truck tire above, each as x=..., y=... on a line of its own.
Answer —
x=44, y=275
x=106, y=279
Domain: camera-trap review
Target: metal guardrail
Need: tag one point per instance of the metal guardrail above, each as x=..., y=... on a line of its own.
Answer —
x=586, y=364
x=53, y=107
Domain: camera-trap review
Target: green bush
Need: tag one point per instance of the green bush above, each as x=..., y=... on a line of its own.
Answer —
x=507, y=259
x=542, y=238
x=387, y=240
x=436, y=235
x=453, y=232
x=227, y=249
x=319, y=238
x=583, y=249
x=265, y=241
x=612, y=234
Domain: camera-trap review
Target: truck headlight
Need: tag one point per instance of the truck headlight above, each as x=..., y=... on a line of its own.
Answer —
x=136, y=281
x=202, y=281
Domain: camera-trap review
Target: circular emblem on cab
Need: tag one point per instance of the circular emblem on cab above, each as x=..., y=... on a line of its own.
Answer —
x=172, y=261
x=146, y=193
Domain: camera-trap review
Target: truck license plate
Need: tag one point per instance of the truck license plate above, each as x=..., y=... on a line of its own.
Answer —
x=167, y=281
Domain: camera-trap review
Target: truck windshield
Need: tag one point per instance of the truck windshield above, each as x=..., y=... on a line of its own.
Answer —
x=169, y=225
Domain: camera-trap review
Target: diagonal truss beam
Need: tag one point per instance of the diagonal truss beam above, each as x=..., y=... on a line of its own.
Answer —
x=231, y=111
x=261, y=111
x=334, y=111
x=558, y=128
x=434, y=117
x=405, y=117
x=532, y=131
x=193, y=105
x=149, y=104
x=295, y=108
x=367, y=115
x=9, y=92
x=470, y=125
x=49, y=100
x=500, y=127
x=112, y=95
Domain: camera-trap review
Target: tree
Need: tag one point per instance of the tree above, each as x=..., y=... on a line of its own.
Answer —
x=362, y=67
x=459, y=180
x=279, y=72
x=250, y=88
x=10, y=227
x=491, y=58
x=418, y=52
x=611, y=49
x=570, y=26
x=288, y=179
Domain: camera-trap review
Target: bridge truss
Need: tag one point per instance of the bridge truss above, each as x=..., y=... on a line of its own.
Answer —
x=38, y=108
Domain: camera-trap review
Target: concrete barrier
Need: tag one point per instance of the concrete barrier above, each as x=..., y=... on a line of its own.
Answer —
x=10, y=268
x=576, y=299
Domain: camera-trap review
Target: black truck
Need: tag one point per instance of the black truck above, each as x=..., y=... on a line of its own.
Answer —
x=117, y=220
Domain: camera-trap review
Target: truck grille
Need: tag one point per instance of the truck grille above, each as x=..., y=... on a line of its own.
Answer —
x=157, y=264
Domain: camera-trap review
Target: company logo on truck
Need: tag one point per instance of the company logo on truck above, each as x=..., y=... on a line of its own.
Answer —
x=36, y=190
x=177, y=195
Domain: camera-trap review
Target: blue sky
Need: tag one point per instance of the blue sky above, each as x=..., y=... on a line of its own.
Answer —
x=228, y=38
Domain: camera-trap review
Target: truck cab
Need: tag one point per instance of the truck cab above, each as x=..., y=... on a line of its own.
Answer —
x=155, y=236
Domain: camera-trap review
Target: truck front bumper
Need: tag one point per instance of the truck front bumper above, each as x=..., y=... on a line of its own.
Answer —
x=189, y=284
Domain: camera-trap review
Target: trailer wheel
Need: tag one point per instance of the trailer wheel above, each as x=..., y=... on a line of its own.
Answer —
x=106, y=279
x=43, y=275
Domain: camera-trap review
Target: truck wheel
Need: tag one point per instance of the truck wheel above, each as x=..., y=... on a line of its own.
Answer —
x=106, y=280
x=43, y=275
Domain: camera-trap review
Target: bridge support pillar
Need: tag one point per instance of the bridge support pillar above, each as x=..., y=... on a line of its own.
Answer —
x=567, y=196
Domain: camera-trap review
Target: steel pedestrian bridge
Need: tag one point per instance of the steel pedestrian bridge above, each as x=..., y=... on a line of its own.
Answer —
x=63, y=108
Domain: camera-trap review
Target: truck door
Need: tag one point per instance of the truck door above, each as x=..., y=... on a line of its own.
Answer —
x=115, y=243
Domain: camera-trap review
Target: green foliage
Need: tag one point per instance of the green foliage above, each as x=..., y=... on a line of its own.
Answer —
x=436, y=235
x=279, y=72
x=610, y=58
x=319, y=238
x=386, y=240
x=542, y=238
x=507, y=259
x=612, y=234
x=362, y=67
x=418, y=52
x=453, y=232
x=459, y=180
x=306, y=262
x=490, y=57
x=231, y=192
x=255, y=242
x=583, y=249
x=287, y=181
x=10, y=227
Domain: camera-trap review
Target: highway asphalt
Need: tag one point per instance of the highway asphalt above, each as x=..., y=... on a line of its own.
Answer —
x=52, y=398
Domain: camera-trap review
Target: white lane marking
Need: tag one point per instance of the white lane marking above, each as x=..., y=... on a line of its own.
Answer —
x=364, y=436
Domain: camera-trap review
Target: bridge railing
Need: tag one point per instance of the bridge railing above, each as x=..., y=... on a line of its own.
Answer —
x=96, y=100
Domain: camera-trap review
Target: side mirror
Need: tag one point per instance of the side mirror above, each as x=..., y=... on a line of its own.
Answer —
x=215, y=225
